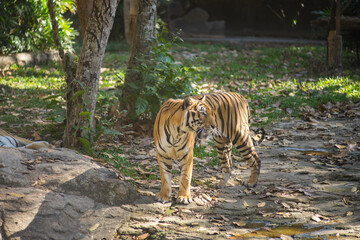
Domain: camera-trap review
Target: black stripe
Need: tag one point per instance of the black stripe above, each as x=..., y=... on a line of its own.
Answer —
x=182, y=148
x=183, y=157
x=164, y=157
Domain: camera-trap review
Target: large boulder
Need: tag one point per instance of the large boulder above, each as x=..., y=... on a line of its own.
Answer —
x=196, y=24
x=59, y=194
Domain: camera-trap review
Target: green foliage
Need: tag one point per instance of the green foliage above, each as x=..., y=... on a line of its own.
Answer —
x=25, y=25
x=122, y=163
x=353, y=9
x=209, y=154
x=163, y=77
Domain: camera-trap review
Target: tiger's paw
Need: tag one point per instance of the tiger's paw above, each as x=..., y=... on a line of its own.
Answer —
x=220, y=185
x=163, y=198
x=184, y=199
x=249, y=185
x=223, y=182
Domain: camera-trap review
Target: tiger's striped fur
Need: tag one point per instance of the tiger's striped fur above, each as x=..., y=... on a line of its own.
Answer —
x=174, y=134
x=232, y=117
x=9, y=140
x=175, y=130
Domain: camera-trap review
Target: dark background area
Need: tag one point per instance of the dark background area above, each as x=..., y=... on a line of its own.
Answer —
x=277, y=18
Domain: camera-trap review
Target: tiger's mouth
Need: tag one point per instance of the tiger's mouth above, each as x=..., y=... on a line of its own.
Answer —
x=215, y=132
x=205, y=131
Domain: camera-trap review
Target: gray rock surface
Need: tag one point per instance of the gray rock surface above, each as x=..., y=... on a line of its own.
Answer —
x=59, y=194
x=196, y=23
x=28, y=58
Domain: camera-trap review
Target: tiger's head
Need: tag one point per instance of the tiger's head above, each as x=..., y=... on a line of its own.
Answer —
x=198, y=114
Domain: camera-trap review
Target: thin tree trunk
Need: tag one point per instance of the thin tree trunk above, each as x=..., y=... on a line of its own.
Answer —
x=84, y=8
x=82, y=92
x=127, y=20
x=144, y=33
x=334, y=43
x=134, y=12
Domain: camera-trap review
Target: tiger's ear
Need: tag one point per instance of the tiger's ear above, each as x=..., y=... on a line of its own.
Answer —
x=188, y=101
x=203, y=98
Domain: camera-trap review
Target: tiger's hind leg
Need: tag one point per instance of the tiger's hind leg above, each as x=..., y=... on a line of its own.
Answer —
x=165, y=166
x=223, y=147
x=247, y=150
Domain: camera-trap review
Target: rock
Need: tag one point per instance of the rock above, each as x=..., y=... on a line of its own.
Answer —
x=27, y=58
x=7, y=61
x=24, y=58
x=196, y=23
x=59, y=194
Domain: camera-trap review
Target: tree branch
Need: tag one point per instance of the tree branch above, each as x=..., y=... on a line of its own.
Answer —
x=50, y=5
x=345, y=7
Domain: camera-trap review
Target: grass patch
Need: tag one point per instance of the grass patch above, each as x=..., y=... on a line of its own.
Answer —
x=277, y=81
x=120, y=162
x=208, y=153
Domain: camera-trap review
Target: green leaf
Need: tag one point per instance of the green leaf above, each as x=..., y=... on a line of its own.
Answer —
x=86, y=145
x=77, y=94
x=132, y=85
x=87, y=114
x=141, y=105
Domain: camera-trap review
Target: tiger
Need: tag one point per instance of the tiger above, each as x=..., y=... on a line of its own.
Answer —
x=226, y=114
x=11, y=141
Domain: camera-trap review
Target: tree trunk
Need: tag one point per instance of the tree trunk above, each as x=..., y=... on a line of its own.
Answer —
x=334, y=44
x=84, y=8
x=127, y=20
x=81, y=93
x=144, y=33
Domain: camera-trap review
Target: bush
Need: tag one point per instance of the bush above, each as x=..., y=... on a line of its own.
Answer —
x=163, y=77
x=25, y=25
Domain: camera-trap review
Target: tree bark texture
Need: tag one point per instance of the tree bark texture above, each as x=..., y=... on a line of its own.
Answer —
x=82, y=92
x=127, y=20
x=84, y=8
x=141, y=41
x=334, y=41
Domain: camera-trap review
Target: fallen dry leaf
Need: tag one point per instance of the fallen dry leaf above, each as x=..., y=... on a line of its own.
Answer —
x=143, y=236
x=230, y=200
x=315, y=218
x=341, y=155
x=108, y=155
x=245, y=204
x=354, y=189
x=340, y=146
x=206, y=197
x=285, y=205
x=346, y=200
x=218, y=224
x=285, y=237
x=261, y=204
x=240, y=224
x=17, y=195
x=349, y=213
x=198, y=201
x=94, y=227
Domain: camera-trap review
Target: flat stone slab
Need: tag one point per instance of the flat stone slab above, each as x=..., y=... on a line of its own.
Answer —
x=59, y=194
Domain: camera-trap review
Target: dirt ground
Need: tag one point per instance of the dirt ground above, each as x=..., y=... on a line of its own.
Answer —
x=308, y=189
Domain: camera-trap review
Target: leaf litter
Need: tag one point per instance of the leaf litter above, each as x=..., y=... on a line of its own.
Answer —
x=288, y=193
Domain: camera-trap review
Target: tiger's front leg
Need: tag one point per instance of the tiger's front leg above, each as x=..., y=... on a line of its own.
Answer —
x=186, y=165
x=165, y=165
